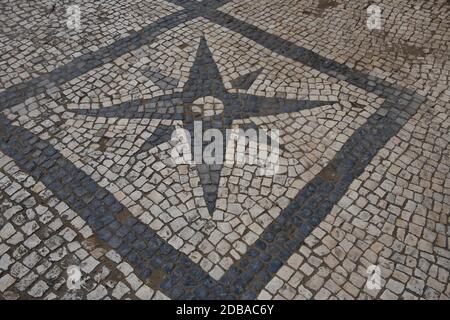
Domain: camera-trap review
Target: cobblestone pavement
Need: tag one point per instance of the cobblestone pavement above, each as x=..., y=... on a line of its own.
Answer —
x=87, y=178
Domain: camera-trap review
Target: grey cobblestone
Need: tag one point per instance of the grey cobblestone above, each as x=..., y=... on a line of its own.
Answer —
x=87, y=178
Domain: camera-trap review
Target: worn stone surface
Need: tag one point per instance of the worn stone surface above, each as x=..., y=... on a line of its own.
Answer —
x=87, y=178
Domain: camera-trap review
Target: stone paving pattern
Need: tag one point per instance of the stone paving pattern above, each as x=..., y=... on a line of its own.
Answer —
x=86, y=176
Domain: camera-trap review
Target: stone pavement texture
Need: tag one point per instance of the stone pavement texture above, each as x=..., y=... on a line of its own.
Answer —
x=87, y=178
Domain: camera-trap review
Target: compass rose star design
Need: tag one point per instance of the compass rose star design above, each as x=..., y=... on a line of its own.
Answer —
x=204, y=81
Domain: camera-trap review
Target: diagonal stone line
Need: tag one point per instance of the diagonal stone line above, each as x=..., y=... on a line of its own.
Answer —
x=17, y=94
x=114, y=225
x=148, y=253
x=305, y=56
x=315, y=201
x=208, y=9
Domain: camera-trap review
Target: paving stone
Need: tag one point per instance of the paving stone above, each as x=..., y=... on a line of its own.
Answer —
x=120, y=290
x=7, y=231
x=416, y=286
x=39, y=289
x=89, y=264
x=89, y=178
x=5, y=282
x=98, y=293
x=144, y=293
x=5, y=262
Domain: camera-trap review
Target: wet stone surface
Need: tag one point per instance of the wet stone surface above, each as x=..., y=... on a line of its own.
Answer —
x=87, y=124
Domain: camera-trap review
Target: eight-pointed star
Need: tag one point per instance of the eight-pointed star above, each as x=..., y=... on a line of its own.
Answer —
x=204, y=80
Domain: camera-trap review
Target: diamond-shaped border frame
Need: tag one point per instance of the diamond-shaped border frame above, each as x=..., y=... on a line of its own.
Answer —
x=143, y=248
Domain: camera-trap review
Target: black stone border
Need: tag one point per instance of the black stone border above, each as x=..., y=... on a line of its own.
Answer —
x=143, y=248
